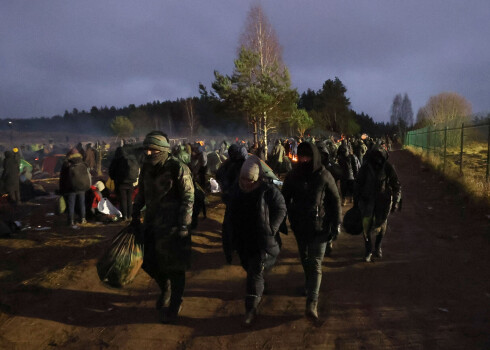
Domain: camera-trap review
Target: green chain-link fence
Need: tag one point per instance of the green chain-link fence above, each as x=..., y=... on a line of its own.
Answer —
x=463, y=149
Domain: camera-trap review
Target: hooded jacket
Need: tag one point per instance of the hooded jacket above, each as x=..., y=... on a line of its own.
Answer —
x=74, y=174
x=124, y=169
x=278, y=153
x=252, y=220
x=312, y=199
x=348, y=163
x=377, y=187
x=228, y=172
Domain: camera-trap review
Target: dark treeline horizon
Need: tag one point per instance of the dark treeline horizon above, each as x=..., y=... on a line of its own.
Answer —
x=213, y=119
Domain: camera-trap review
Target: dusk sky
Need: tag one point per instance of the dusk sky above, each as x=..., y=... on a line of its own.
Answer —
x=57, y=55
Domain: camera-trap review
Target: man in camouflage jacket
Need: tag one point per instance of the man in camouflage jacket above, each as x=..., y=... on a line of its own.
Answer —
x=166, y=188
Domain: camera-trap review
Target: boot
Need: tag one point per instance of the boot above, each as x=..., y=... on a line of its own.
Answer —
x=251, y=308
x=311, y=309
x=170, y=314
x=164, y=298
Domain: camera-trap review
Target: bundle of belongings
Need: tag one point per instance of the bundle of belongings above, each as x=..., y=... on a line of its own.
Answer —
x=99, y=206
x=121, y=262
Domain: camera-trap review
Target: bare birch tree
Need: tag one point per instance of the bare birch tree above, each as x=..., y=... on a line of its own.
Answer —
x=191, y=116
x=260, y=37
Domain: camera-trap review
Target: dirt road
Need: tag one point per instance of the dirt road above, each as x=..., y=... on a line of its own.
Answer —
x=431, y=290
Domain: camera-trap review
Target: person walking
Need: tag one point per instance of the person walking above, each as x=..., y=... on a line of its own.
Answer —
x=277, y=157
x=75, y=180
x=377, y=191
x=124, y=170
x=166, y=188
x=256, y=210
x=90, y=157
x=10, y=176
x=313, y=204
x=350, y=165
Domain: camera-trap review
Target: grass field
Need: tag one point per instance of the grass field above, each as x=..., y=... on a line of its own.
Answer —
x=474, y=166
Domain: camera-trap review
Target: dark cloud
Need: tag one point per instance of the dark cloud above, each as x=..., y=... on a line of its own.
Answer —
x=61, y=55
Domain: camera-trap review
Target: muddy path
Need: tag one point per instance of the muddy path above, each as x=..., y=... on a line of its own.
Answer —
x=431, y=290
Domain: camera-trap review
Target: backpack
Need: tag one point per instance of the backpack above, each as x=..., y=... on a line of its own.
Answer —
x=134, y=169
x=79, y=176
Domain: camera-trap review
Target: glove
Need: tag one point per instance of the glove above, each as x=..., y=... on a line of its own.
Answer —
x=183, y=232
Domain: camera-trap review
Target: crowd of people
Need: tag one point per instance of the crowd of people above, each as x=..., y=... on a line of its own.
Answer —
x=160, y=191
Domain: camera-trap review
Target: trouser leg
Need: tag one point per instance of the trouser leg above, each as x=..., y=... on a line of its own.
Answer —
x=313, y=263
x=71, y=206
x=81, y=204
x=302, y=250
x=129, y=196
x=177, y=283
x=367, y=223
x=379, y=237
x=343, y=189
x=14, y=196
x=165, y=288
x=350, y=188
x=256, y=268
x=123, y=200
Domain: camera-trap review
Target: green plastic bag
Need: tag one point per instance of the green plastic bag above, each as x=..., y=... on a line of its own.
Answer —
x=121, y=262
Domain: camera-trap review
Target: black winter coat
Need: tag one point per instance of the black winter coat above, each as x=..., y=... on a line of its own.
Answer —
x=313, y=201
x=377, y=188
x=255, y=229
x=228, y=172
x=11, y=172
x=74, y=175
x=124, y=169
x=350, y=166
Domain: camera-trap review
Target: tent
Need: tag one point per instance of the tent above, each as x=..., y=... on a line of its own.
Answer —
x=52, y=163
x=24, y=165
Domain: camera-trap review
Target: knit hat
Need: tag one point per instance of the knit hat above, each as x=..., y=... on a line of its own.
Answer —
x=250, y=174
x=156, y=140
x=100, y=186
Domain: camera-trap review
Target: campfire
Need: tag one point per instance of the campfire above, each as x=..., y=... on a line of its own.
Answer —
x=293, y=157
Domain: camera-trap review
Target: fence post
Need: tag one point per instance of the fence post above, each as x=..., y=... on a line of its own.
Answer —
x=428, y=141
x=488, y=152
x=461, y=150
x=445, y=150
